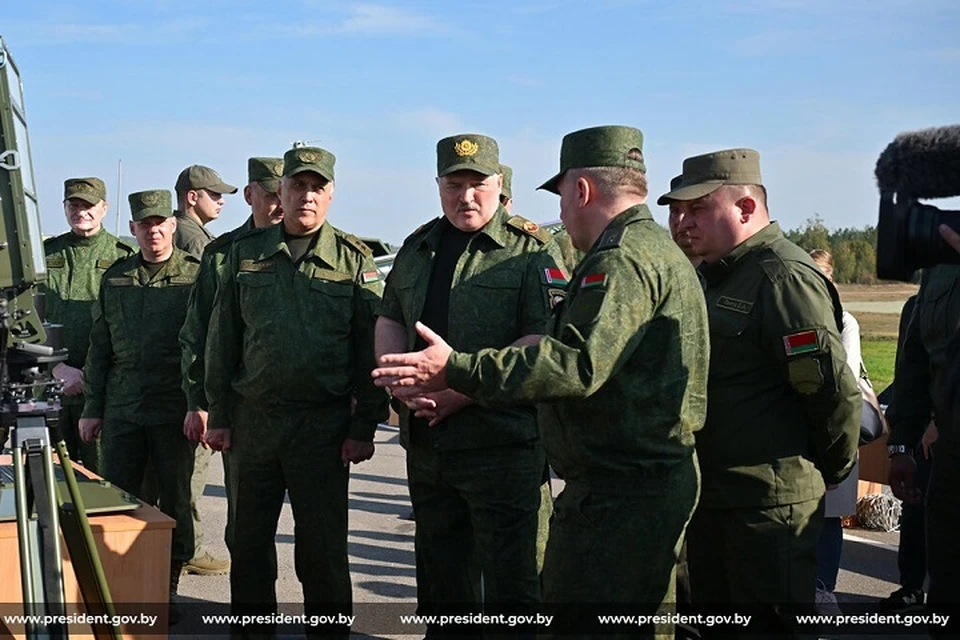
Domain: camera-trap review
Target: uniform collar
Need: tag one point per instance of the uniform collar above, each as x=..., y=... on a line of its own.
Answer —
x=86, y=241
x=495, y=230
x=716, y=271
x=614, y=228
x=184, y=218
x=274, y=242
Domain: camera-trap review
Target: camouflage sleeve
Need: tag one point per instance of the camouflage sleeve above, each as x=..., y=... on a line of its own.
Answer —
x=193, y=335
x=224, y=348
x=390, y=307
x=539, y=292
x=372, y=401
x=97, y=365
x=911, y=406
x=799, y=331
x=601, y=327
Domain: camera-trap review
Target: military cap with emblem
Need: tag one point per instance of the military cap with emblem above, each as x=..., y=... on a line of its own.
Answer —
x=266, y=172
x=468, y=152
x=146, y=204
x=300, y=159
x=197, y=176
x=706, y=173
x=607, y=146
x=507, y=190
x=90, y=190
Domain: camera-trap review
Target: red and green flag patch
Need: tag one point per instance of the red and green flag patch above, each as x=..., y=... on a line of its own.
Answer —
x=593, y=280
x=555, y=277
x=369, y=276
x=802, y=342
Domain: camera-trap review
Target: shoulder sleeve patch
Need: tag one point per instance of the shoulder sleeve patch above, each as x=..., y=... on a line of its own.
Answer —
x=805, y=375
x=802, y=342
x=555, y=277
x=594, y=280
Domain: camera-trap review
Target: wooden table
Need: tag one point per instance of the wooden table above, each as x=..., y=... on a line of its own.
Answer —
x=134, y=548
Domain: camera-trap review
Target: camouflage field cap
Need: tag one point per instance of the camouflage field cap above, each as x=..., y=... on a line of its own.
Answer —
x=266, y=172
x=707, y=173
x=608, y=146
x=507, y=190
x=468, y=152
x=197, y=176
x=90, y=190
x=300, y=159
x=156, y=202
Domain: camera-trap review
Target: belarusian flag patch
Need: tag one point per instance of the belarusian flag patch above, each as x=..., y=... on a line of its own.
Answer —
x=555, y=277
x=802, y=342
x=369, y=276
x=593, y=280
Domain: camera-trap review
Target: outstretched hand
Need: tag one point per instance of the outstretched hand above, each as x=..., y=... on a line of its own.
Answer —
x=425, y=370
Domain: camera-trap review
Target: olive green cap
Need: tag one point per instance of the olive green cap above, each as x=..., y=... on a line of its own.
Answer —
x=266, y=172
x=197, y=176
x=145, y=204
x=608, y=146
x=468, y=152
x=90, y=190
x=705, y=174
x=300, y=159
x=507, y=190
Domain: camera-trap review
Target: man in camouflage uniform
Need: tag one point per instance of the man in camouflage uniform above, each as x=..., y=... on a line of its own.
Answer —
x=132, y=372
x=478, y=275
x=289, y=344
x=76, y=261
x=621, y=375
x=922, y=367
x=200, y=193
x=261, y=194
x=784, y=411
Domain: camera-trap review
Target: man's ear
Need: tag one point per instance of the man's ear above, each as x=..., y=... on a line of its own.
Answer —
x=747, y=206
x=192, y=197
x=248, y=195
x=133, y=228
x=584, y=191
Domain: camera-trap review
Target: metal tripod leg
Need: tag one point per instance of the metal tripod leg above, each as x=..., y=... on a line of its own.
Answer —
x=41, y=568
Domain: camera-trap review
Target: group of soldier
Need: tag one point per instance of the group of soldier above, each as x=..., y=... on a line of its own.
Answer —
x=711, y=405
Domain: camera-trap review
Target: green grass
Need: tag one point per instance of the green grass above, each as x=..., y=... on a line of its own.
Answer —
x=878, y=358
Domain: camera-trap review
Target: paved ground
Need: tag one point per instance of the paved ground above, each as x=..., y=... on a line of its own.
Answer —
x=381, y=546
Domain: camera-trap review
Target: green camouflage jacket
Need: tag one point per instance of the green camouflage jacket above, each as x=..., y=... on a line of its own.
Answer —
x=622, y=374
x=300, y=335
x=501, y=291
x=132, y=370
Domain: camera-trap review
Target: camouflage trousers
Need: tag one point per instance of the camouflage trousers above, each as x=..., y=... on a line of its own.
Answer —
x=617, y=542
x=126, y=448
x=765, y=557
x=476, y=514
x=290, y=451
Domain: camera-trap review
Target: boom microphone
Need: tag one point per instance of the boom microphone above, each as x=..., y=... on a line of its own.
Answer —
x=917, y=164
x=922, y=164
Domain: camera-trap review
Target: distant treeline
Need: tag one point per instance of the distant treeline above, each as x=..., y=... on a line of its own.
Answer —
x=854, y=250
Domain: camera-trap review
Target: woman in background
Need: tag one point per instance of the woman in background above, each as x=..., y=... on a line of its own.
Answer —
x=841, y=500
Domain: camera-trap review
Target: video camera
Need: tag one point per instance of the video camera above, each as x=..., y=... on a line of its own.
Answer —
x=917, y=165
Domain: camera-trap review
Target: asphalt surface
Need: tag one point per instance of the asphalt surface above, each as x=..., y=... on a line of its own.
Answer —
x=382, y=556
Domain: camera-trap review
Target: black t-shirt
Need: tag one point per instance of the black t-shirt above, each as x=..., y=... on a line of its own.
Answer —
x=300, y=246
x=436, y=306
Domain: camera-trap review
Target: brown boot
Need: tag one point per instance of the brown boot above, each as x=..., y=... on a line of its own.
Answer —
x=207, y=565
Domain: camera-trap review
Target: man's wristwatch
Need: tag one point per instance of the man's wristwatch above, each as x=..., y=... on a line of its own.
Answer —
x=896, y=449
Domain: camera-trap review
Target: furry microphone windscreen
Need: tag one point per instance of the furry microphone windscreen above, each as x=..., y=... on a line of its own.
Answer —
x=922, y=164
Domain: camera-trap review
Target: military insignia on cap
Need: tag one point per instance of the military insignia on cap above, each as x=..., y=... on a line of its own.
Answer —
x=466, y=148
x=276, y=169
x=150, y=199
x=309, y=157
x=83, y=187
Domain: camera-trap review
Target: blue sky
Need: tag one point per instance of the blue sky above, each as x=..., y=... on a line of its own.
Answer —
x=819, y=87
